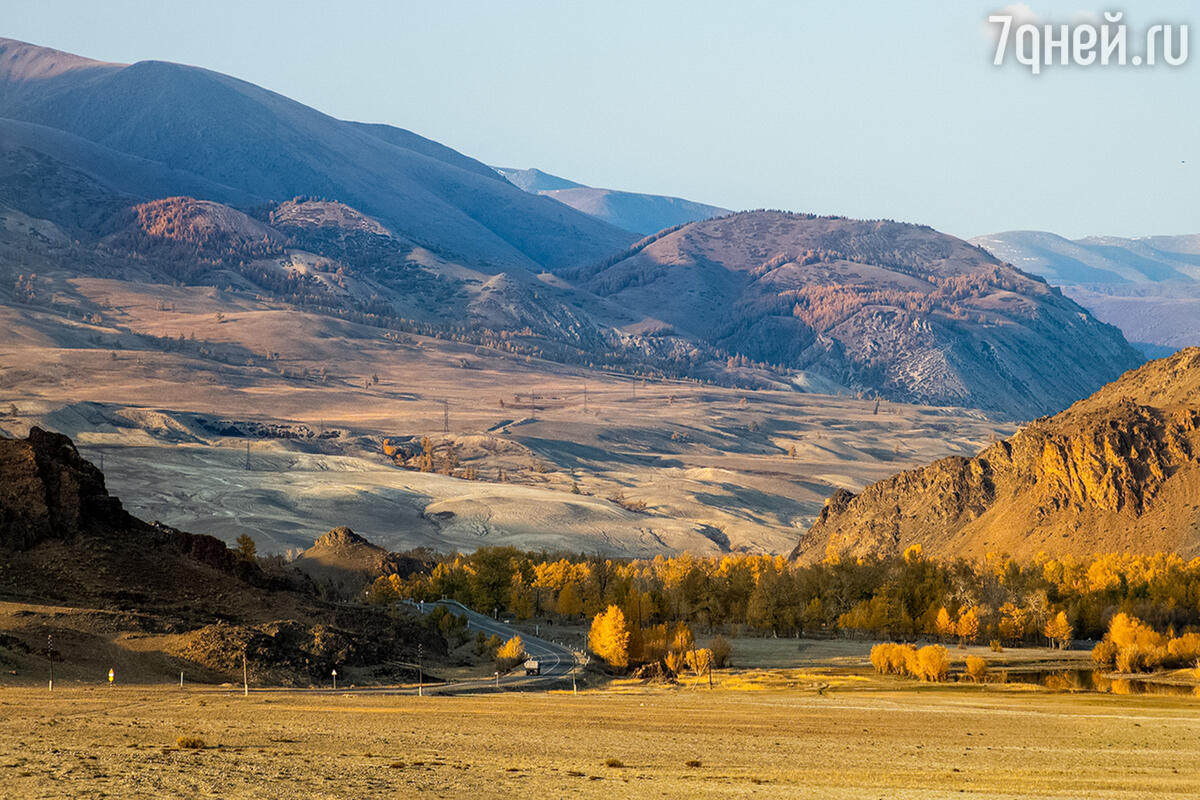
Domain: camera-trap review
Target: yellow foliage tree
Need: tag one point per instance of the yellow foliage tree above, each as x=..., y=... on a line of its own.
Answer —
x=569, y=603
x=1058, y=629
x=609, y=639
x=945, y=625
x=967, y=627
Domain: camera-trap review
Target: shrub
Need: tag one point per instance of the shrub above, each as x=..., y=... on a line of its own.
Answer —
x=977, y=668
x=190, y=743
x=996, y=646
x=933, y=663
x=880, y=657
x=1105, y=653
x=694, y=763
x=613, y=762
x=1184, y=649
x=1132, y=646
x=722, y=651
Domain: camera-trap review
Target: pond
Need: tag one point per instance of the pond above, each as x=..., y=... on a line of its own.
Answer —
x=1094, y=680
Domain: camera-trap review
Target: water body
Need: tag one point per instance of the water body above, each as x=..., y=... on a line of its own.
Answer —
x=1094, y=680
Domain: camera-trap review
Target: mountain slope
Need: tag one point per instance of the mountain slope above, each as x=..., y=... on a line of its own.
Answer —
x=631, y=211
x=900, y=310
x=1118, y=471
x=238, y=135
x=1149, y=287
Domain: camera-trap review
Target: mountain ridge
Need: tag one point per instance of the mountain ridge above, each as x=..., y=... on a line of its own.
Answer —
x=1116, y=472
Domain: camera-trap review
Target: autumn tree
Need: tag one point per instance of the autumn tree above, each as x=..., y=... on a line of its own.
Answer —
x=933, y=663
x=510, y=654
x=569, y=604
x=945, y=624
x=967, y=627
x=246, y=549
x=1058, y=629
x=609, y=639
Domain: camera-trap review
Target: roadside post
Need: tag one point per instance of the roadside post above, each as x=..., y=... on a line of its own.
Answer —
x=334, y=673
x=50, y=657
x=112, y=676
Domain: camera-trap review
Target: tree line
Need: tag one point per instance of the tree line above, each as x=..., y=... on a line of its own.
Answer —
x=904, y=597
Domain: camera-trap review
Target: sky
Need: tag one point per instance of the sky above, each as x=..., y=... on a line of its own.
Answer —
x=865, y=109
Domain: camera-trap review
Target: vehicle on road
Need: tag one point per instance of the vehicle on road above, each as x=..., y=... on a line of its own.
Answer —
x=533, y=667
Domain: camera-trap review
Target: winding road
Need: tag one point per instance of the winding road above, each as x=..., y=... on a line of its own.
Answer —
x=556, y=660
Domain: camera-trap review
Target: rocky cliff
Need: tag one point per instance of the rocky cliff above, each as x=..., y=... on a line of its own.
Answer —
x=1118, y=471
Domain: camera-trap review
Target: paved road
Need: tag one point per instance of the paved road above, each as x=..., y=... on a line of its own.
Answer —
x=556, y=660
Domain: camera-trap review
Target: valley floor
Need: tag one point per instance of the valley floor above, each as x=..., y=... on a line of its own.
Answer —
x=920, y=742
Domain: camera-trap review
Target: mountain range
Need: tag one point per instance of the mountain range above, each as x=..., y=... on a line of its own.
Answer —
x=161, y=173
x=1149, y=287
x=183, y=130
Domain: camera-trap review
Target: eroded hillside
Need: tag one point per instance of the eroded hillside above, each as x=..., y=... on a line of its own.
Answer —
x=1119, y=471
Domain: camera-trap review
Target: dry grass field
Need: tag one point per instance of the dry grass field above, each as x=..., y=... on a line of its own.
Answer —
x=908, y=743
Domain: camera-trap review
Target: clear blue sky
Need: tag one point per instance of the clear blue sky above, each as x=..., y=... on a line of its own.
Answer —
x=869, y=109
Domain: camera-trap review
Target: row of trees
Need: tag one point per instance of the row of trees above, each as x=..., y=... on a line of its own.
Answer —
x=899, y=597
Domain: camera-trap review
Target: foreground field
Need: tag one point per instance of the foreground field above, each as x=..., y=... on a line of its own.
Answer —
x=895, y=744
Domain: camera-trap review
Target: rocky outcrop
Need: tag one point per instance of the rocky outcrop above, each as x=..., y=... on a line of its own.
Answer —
x=1117, y=471
x=343, y=562
x=48, y=491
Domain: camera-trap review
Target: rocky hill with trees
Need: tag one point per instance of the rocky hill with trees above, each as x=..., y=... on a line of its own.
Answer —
x=1116, y=472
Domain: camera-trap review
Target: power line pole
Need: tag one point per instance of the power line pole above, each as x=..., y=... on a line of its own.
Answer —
x=245, y=679
x=585, y=408
x=445, y=416
x=50, y=657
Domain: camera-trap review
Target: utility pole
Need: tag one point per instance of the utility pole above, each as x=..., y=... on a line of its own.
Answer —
x=245, y=679
x=50, y=657
x=420, y=670
x=585, y=398
x=445, y=416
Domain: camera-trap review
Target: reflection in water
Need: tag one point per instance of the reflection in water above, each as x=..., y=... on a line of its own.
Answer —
x=1068, y=680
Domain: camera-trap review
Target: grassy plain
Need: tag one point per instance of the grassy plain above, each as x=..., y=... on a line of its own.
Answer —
x=901, y=742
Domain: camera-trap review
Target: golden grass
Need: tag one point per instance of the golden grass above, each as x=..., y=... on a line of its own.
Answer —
x=900, y=740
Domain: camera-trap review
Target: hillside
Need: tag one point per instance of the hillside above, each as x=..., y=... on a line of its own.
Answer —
x=200, y=133
x=631, y=211
x=1149, y=287
x=152, y=600
x=346, y=562
x=882, y=307
x=1118, y=471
